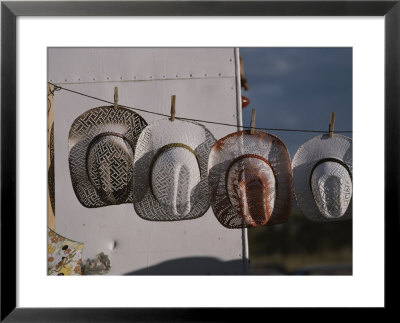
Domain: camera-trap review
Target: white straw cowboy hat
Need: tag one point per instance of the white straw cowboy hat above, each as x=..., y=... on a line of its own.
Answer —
x=322, y=174
x=250, y=179
x=170, y=172
x=101, y=151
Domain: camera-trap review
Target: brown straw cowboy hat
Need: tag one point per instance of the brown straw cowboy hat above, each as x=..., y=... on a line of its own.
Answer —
x=250, y=179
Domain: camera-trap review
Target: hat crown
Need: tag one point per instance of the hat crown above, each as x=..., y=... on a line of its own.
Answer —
x=251, y=187
x=110, y=167
x=175, y=174
x=331, y=186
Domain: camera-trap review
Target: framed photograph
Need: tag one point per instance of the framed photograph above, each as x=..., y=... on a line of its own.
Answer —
x=184, y=52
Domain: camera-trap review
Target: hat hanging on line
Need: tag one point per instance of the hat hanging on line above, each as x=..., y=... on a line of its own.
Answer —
x=170, y=171
x=250, y=180
x=101, y=151
x=322, y=174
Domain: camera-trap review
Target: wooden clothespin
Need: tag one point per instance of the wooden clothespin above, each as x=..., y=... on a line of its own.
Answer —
x=331, y=124
x=173, y=107
x=115, y=97
x=253, y=121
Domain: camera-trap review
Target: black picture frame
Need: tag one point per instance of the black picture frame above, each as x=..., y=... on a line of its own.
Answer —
x=10, y=10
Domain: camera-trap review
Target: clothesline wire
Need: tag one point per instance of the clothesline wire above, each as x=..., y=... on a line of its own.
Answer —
x=57, y=88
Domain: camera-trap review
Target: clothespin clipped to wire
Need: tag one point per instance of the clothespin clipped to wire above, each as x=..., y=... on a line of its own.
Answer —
x=173, y=107
x=116, y=97
x=331, y=124
x=253, y=121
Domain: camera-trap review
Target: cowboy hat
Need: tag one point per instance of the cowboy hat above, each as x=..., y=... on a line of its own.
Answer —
x=250, y=180
x=170, y=172
x=322, y=174
x=101, y=151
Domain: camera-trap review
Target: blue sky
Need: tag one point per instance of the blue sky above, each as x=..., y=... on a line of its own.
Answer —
x=298, y=88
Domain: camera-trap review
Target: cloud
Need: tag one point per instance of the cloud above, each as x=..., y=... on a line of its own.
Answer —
x=262, y=63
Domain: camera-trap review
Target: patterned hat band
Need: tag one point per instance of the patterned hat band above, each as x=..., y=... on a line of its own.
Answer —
x=176, y=177
x=244, y=157
x=324, y=160
x=251, y=186
x=101, y=135
x=166, y=147
x=331, y=186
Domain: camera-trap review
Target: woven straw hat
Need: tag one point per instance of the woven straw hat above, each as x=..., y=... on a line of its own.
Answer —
x=250, y=180
x=322, y=173
x=101, y=150
x=170, y=172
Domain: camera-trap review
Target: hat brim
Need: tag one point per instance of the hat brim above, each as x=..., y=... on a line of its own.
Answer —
x=154, y=137
x=50, y=172
x=240, y=143
x=307, y=156
x=85, y=128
